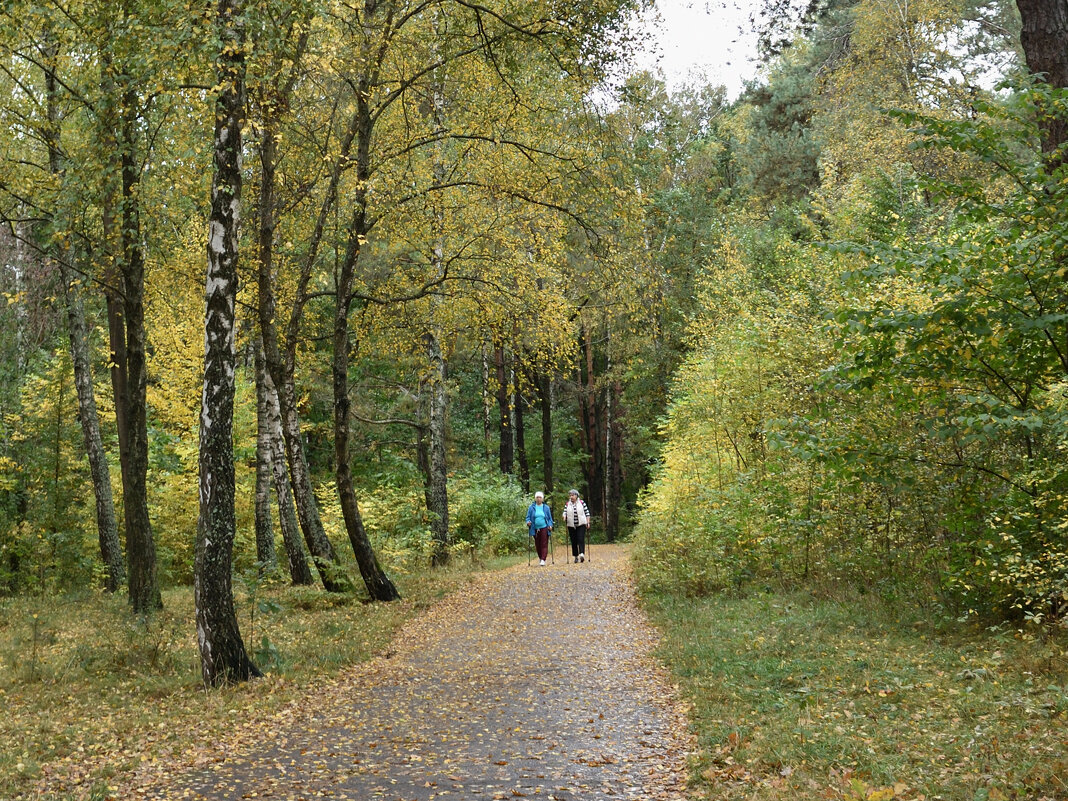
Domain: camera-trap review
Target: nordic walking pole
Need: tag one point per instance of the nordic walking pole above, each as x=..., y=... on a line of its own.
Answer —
x=552, y=551
x=529, y=538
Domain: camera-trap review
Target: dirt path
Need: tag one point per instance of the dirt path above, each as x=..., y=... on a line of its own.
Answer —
x=535, y=681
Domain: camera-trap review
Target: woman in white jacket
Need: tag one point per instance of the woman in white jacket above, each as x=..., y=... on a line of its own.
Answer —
x=577, y=518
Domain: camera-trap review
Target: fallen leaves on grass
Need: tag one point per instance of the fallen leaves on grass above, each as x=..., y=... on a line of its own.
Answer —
x=522, y=683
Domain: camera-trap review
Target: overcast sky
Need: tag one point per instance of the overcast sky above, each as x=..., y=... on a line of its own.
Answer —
x=708, y=38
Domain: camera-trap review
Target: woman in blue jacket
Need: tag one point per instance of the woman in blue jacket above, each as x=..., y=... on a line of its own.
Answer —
x=539, y=524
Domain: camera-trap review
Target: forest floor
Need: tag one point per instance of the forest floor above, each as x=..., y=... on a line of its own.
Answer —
x=91, y=693
x=798, y=696
x=531, y=681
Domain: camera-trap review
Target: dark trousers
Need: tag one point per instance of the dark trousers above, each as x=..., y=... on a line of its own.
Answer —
x=578, y=539
x=541, y=542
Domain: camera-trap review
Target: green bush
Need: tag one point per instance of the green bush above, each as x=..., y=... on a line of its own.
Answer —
x=487, y=510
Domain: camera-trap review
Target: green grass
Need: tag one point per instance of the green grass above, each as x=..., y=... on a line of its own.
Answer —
x=85, y=683
x=798, y=698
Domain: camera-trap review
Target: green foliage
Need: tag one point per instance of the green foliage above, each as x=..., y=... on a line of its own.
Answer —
x=397, y=522
x=888, y=413
x=44, y=545
x=974, y=348
x=782, y=150
x=487, y=510
x=714, y=515
x=802, y=698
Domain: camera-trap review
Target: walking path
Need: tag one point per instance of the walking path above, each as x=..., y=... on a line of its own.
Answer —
x=533, y=682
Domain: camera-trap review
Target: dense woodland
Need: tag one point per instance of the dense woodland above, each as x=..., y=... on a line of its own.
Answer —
x=324, y=290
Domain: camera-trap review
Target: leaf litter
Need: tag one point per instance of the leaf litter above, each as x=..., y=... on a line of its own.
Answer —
x=531, y=682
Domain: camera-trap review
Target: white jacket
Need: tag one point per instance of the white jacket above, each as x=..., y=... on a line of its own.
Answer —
x=576, y=514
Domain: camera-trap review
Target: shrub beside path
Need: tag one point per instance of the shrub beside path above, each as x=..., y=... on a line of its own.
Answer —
x=530, y=682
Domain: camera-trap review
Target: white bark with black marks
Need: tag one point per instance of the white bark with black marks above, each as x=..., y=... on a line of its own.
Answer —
x=222, y=652
x=296, y=557
x=265, y=550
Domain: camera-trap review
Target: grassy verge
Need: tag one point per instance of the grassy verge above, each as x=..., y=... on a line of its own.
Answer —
x=89, y=691
x=797, y=698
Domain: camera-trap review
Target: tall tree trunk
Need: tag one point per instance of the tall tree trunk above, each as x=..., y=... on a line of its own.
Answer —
x=322, y=550
x=519, y=405
x=222, y=652
x=375, y=579
x=282, y=369
x=21, y=314
x=591, y=428
x=111, y=249
x=117, y=348
x=504, y=408
x=377, y=582
x=299, y=571
x=1044, y=36
x=106, y=523
x=614, y=462
x=437, y=495
x=107, y=527
x=265, y=551
x=487, y=404
x=545, y=397
x=140, y=545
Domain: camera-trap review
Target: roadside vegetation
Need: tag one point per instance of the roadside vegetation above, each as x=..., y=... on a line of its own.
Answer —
x=797, y=696
x=89, y=693
x=854, y=535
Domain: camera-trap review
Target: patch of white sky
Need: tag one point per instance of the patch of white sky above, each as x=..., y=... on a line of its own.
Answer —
x=694, y=42
x=699, y=42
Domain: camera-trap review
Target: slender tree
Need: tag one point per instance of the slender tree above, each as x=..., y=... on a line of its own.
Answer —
x=519, y=405
x=545, y=402
x=280, y=348
x=222, y=652
x=265, y=550
x=140, y=544
x=297, y=558
x=506, y=450
x=107, y=526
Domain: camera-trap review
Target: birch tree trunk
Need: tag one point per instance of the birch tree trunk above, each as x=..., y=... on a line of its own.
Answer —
x=106, y=524
x=281, y=368
x=297, y=559
x=487, y=405
x=377, y=582
x=437, y=494
x=613, y=461
x=222, y=652
x=111, y=247
x=265, y=551
x=519, y=404
x=591, y=426
x=21, y=314
x=322, y=550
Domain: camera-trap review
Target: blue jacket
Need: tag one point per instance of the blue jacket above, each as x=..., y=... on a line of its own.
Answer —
x=530, y=517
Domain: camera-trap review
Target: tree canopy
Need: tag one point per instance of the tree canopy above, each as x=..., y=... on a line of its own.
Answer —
x=394, y=264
